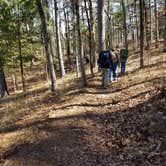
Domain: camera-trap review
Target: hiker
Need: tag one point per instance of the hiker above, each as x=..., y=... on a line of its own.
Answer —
x=104, y=62
x=123, y=59
x=113, y=67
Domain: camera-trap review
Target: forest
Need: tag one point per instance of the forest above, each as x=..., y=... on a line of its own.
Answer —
x=54, y=109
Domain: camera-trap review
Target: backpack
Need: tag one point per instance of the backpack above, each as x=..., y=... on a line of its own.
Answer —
x=113, y=57
x=123, y=54
x=104, y=59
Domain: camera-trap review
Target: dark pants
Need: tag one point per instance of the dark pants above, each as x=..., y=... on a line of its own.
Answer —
x=123, y=67
x=113, y=72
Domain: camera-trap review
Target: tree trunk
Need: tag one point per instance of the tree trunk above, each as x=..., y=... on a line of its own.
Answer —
x=46, y=6
x=136, y=22
x=82, y=67
x=150, y=22
x=90, y=40
x=141, y=33
x=156, y=24
x=21, y=62
x=101, y=35
x=20, y=51
x=46, y=42
x=124, y=24
x=58, y=41
x=165, y=29
x=3, y=85
x=92, y=33
x=67, y=35
x=109, y=25
x=75, y=51
x=147, y=28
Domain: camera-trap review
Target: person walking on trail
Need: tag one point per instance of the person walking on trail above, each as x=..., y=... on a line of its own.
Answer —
x=123, y=59
x=113, y=67
x=104, y=62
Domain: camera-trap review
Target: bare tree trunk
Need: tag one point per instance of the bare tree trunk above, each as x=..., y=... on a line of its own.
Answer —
x=100, y=24
x=46, y=5
x=150, y=22
x=3, y=84
x=46, y=42
x=147, y=29
x=58, y=41
x=90, y=41
x=124, y=24
x=20, y=51
x=93, y=47
x=141, y=33
x=82, y=68
x=67, y=35
x=109, y=25
x=75, y=51
x=136, y=21
x=165, y=29
x=156, y=24
x=21, y=65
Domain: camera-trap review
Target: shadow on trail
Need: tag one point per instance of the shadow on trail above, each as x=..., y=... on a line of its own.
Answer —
x=69, y=143
x=52, y=99
x=13, y=128
x=101, y=91
x=148, y=66
x=23, y=95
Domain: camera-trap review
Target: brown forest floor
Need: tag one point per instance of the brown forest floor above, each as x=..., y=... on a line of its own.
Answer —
x=124, y=125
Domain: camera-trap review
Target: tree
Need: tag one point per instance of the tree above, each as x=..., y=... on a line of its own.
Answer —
x=165, y=28
x=141, y=33
x=147, y=27
x=20, y=48
x=46, y=42
x=58, y=41
x=100, y=14
x=156, y=24
x=75, y=50
x=80, y=51
x=90, y=40
x=67, y=34
x=3, y=84
x=92, y=32
x=124, y=23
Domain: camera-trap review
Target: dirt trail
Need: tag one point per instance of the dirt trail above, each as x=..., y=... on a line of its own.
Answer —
x=121, y=125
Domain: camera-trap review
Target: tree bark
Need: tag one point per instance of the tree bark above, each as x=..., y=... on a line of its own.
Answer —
x=141, y=33
x=20, y=51
x=58, y=41
x=89, y=41
x=165, y=29
x=150, y=22
x=93, y=47
x=124, y=24
x=21, y=61
x=136, y=22
x=100, y=14
x=46, y=42
x=156, y=24
x=147, y=28
x=80, y=51
x=75, y=50
x=67, y=35
x=3, y=84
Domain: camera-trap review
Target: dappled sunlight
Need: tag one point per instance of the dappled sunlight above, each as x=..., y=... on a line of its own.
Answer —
x=92, y=124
